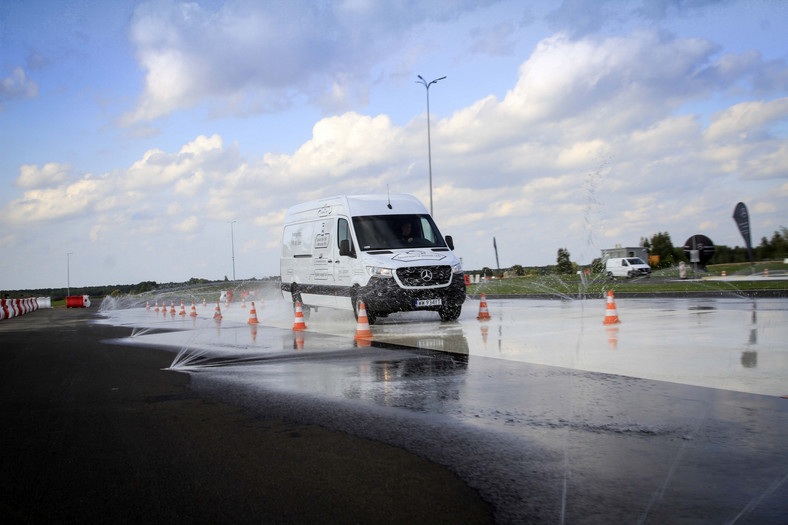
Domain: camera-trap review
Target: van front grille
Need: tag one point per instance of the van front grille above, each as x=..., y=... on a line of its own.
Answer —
x=424, y=275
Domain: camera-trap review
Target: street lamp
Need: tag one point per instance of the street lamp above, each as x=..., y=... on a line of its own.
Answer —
x=429, y=145
x=232, y=244
x=68, y=273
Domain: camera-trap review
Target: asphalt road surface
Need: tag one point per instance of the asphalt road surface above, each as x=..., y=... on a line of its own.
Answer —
x=97, y=433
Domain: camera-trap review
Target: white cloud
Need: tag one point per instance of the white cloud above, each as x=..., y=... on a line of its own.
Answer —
x=174, y=208
x=189, y=185
x=342, y=144
x=607, y=85
x=188, y=225
x=770, y=164
x=746, y=120
x=270, y=219
x=249, y=57
x=16, y=85
x=31, y=176
x=158, y=168
x=49, y=204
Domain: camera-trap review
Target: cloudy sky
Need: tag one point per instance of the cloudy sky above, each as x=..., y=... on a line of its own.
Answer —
x=132, y=133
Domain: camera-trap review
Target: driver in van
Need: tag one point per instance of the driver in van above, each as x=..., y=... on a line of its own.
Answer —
x=406, y=235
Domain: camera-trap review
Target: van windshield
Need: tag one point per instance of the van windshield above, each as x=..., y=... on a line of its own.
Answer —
x=391, y=232
x=635, y=260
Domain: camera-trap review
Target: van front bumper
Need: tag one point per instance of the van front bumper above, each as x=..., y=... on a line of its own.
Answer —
x=384, y=295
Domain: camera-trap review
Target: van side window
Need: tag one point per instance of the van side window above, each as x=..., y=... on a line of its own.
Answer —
x=426, y=230
x=343, y=234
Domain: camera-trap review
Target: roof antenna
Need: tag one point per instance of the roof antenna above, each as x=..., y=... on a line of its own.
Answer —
x=389, y=196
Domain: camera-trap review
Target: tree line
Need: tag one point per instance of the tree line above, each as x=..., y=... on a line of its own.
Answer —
x=769, y=249
x=660, y=244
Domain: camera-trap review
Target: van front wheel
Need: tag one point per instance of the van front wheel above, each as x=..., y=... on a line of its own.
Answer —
x=450, y=312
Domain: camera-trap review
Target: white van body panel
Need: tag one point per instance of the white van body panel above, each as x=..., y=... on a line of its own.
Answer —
x=312, y=265
x=627, y=267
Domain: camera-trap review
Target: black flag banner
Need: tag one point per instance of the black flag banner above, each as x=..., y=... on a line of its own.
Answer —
x=742, y=219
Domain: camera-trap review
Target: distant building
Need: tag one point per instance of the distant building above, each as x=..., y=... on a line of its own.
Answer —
x=626, y=251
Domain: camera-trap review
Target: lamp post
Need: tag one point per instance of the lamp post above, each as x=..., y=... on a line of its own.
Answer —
x=232, y=245
x=68, y=273
x=429, y=145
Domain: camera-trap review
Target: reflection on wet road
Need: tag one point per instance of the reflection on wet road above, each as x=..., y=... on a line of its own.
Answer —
x=546, y=411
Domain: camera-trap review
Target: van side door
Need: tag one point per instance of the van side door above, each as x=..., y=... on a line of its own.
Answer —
x=345, y=257
x=323, y=253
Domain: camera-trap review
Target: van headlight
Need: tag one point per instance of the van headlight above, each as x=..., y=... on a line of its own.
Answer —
x=457, y=268
x=377, y=271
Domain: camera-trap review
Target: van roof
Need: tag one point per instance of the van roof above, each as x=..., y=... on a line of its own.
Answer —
x=357, y=205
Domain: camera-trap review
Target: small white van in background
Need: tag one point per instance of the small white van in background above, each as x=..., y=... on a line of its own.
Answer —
x=628, y=267
x=384, y=250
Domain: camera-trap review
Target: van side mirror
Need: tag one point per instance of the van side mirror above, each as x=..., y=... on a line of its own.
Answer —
x=344, y=248
x=450, y=242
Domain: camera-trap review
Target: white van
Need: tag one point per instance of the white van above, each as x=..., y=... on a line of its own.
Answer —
x=628, y=267
x=384, y=250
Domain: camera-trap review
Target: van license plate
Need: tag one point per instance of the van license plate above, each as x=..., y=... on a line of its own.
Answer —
x=428, y=302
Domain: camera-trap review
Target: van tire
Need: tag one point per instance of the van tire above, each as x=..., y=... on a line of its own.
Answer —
x=611, y=276
x=450, y=312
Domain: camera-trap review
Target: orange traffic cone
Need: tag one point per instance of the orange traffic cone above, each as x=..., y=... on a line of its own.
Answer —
x=172, y=308
x=766, y=272
x=484, y=315
x=147, y=305
x=156, y=304
x=724, y=273
x=362, y=327
x=253, y=315
x=299, y=323
x=218, y=313
x=204, y=303
x=243, y=302
x=194, y=311
x=183, y=310
x=611, y=316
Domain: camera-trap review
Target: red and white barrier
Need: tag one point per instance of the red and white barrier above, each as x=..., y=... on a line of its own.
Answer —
x=78, y=301
x=44, y=302
x=15, y=307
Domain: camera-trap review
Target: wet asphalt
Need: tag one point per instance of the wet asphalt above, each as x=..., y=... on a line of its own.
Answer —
x=272, y=425
x=93, y=432
x=524, y=408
